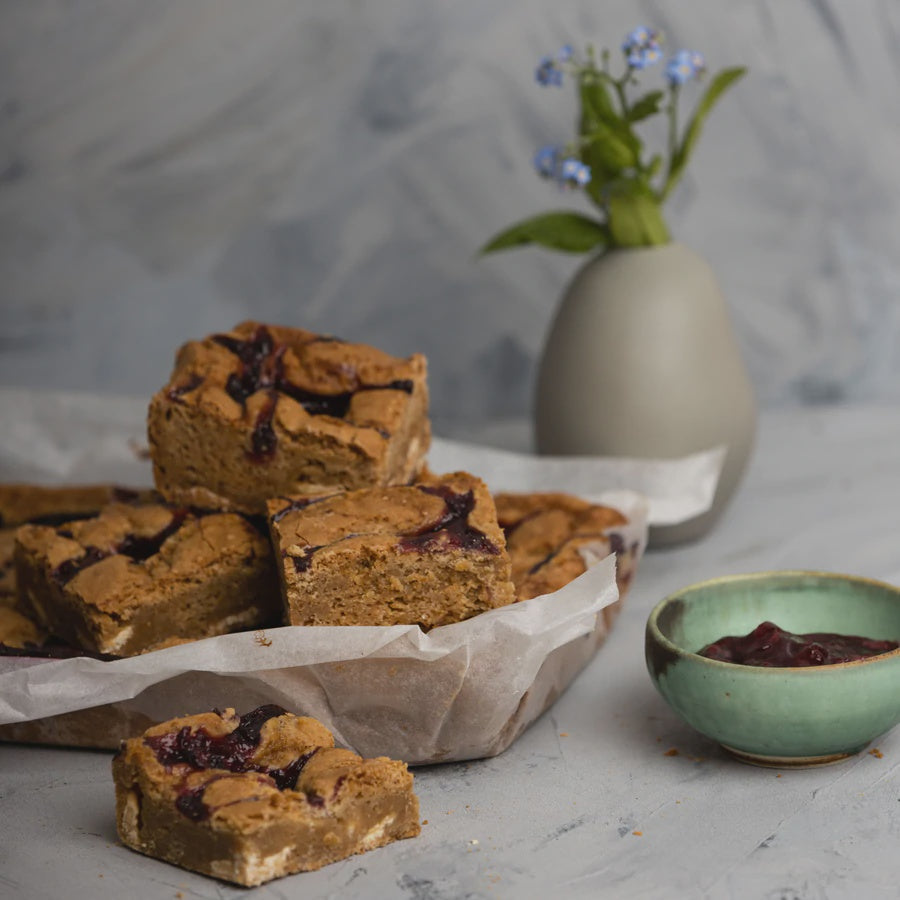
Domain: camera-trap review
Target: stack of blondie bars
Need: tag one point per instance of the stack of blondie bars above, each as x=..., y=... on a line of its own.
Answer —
x=291, y=489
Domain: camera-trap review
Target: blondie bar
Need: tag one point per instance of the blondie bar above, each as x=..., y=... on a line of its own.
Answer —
x=135, y=576
x=7, y=566
x=39, y=504
x=18, y=631
x=427, y=554
x=263, y=410
x=54, y=504
x=552, y=536
x=254, y=798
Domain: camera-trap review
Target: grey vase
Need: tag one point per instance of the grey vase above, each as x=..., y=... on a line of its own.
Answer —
x=642, y=361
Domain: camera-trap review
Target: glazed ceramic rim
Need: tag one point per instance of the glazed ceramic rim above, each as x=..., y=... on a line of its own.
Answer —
x=784, y=574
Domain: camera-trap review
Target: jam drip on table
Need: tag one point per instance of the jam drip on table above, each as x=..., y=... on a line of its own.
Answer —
x=770, y=646
x=233, y=752
x=137, y=548
x=452, y=530
x=262, y=369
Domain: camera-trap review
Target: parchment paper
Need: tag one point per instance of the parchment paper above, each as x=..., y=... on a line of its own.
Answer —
x=459, y=692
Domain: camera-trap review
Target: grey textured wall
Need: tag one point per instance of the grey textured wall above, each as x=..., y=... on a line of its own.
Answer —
x=168, y=168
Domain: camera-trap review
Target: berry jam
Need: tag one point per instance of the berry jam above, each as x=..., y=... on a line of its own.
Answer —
x=232, y=752
x=191, y=803
x=200, y=750
x=616, y=545
x=67, y=570
x=303, y=562
x=452, y=530
x=297, y=503
x=262, y=369
x=768, y=645
x=137, y=548
x=142, y=548
x=262, y=438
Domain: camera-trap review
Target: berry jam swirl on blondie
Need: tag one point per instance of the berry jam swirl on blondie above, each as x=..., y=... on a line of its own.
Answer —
x=428, y=554
x=252, y=798
x=263, y=410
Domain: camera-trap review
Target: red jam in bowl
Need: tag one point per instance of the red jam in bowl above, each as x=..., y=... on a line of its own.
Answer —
x=769, y=645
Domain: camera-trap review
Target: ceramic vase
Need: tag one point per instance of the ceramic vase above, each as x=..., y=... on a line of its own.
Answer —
x=642, y=361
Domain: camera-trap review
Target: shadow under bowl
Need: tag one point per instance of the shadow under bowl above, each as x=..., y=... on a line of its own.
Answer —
x=780, y=717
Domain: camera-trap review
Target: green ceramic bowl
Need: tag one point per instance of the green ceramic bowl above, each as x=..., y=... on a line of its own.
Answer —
x=779, y=716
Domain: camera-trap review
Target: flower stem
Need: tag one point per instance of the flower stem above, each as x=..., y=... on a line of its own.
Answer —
x=619, y=84
x=672, y=110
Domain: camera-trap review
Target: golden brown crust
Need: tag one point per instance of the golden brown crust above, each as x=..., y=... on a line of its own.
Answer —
x=17, y=630
x=428, y=554
x=33, y=503
x=549, y=536
x=21, y=503
x=264, y=410
x=279, y=799
x=7, y=566
x=135, y=576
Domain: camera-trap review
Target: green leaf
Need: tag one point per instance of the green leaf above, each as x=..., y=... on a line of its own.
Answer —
x=645, y=106
x=635, y=218
x=608, y=149
x=596, y=105
x=609, y=157
x=597, y=189
x=717, y=87
x=570, y=232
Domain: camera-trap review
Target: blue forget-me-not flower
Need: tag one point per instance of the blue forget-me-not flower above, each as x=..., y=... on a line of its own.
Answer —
x=545, y=161
x=642, y=48
x=684, y=66
x=574, y=171
x=548, y=72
